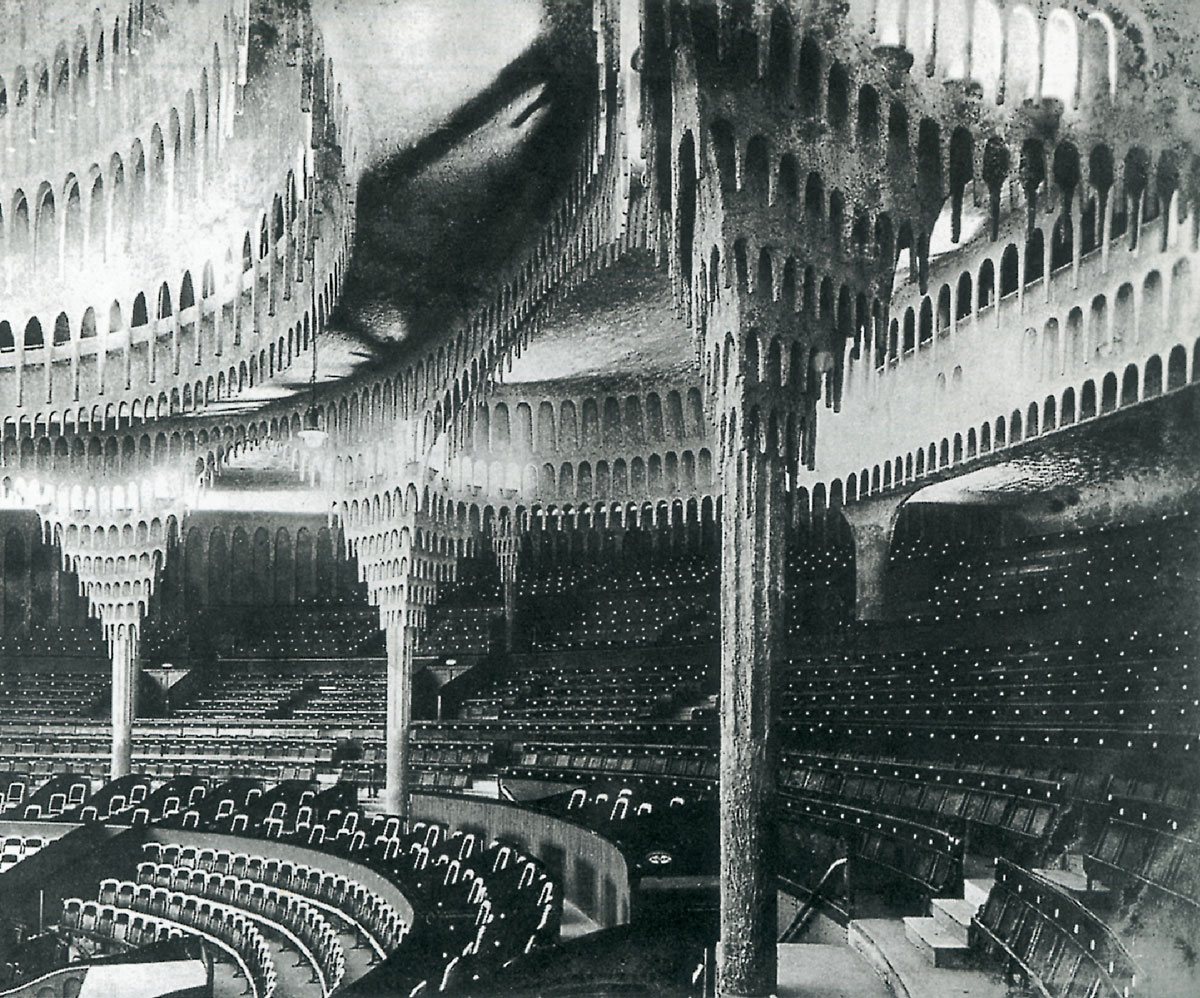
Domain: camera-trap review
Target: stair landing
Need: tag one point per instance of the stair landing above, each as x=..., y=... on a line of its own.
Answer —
x=821, y=970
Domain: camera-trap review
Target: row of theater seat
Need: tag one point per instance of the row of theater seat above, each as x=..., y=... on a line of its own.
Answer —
x=1008, y=814
x=371, y=915
x=232, y=691
x=922, y=858
x=594, y=687
x=228, y=929
x=30, y=695
x=303, y=924
x=1094, y=695
x=1045, y=935
x=633, y=602
x=58, y=641
x=1126, y=566
x=674, y=617
x=17, y=848
x=631, y=573
x=460, y=630
x=483, y=903
x=299, y=633
x=350, y=697
x=1139, y=847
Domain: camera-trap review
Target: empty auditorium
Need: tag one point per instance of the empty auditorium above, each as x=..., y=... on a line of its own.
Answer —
x=599, y=499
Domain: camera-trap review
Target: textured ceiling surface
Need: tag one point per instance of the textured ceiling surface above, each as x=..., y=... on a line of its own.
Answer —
x=619, y=327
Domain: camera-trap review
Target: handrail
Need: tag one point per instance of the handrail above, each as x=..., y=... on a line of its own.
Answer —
x=798, y=923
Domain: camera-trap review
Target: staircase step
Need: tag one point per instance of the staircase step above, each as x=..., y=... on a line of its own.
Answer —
x=977, y=891
x=953, y=915
x=884, y=944
x=940, y=948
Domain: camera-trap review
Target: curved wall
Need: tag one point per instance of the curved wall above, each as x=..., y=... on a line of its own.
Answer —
x=593, y=871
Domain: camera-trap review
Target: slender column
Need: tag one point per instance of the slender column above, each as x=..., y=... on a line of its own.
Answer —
x=752, y=535
x=124, y=651
x=400, y=645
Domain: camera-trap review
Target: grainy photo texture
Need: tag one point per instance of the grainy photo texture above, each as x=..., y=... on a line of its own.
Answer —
x=599, y=498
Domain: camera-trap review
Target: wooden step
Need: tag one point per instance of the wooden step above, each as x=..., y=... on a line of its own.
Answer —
x=977, y=891
x=939, y=947
x=953, y=915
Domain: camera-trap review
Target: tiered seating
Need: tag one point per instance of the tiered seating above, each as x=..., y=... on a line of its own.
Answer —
x=595, y=687
x=1148, y=846
x=148, y=918
x=664, y=832
x=1041, y=933
x=460, y=630
x=351, y=697
x=616, y=621
x=642, y=601
x=59, y=642
x=1010, y=810
x=491, y=903
x=235, y=693
x=658, y=765
x=17, y=848
x=444, y=766
x=1105, y=691
x=370, y=915
x=920, y=857
x=819, y=584
x=58, y=794
x=44, y=695
x=301, y=923
x=116, y=800
x=311, y=629
x=1131, y=567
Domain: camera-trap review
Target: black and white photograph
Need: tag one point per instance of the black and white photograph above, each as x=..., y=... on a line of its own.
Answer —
x=599, y=498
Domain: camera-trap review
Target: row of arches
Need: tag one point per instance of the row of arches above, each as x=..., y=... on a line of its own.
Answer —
x=1114, y=195
x=1094, y=397
x=258, y=565
x=654, y=474
x=115, y=204
x=93, y=73
x=590, y=423
x=1129, y=315
x=195, y=328
x=1011, y=53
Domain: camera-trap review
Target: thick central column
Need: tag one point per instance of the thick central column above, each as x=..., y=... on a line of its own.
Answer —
x=400, y=646
x=752, y=538
x=123, y=648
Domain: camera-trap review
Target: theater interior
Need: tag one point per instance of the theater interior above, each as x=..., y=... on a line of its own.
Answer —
x=594, y=498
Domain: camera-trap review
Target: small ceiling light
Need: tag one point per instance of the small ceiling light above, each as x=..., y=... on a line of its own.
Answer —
x=312, y=431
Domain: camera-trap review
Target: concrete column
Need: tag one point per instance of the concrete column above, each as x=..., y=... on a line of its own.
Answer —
x=400, y=646
x=124, y=652
x=752, y=539
x=871, y=524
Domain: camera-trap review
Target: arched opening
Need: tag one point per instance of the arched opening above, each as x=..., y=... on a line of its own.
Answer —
x=1108, y=393
x=1009, y=271
x=987, y=284
x=1129, y=385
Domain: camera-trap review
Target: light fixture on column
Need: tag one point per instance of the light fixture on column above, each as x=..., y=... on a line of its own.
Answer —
x=313, y=432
